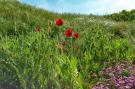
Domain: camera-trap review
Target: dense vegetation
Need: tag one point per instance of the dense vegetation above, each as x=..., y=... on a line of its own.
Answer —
x=123, y=16
x=32, y=56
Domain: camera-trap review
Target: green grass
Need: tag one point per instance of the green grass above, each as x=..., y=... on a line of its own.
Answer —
x=31, y=60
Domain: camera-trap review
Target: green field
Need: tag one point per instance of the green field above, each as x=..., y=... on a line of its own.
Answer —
x=33, y=56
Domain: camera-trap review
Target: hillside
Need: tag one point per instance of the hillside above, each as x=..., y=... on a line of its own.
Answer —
x=46, y=50
x=24, y=17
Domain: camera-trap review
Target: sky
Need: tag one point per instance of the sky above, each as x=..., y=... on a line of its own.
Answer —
x=97, y=7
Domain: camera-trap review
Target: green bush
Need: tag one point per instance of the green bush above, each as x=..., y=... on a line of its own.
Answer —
x=123, y=16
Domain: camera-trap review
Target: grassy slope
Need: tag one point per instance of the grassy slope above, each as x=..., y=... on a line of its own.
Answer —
x=24, y=16
x=32, y=60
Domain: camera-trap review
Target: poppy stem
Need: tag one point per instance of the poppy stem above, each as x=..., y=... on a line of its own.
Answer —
x=59, y=42
x=72, y=46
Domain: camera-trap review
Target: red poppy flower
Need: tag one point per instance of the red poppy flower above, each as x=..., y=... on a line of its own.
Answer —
x=76, y=35
x=68, y=32
x=37, y=29
x=59, y=22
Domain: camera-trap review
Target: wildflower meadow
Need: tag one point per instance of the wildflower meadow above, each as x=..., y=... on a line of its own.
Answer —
x=45, y=50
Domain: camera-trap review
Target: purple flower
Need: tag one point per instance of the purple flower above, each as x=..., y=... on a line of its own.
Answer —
x=116, y=79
